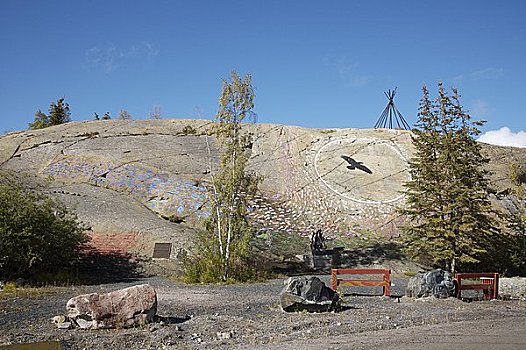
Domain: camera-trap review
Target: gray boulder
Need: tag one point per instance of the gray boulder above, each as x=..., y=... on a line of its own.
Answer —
x=437, y=283
x=310, y=294
x=127, y=307
x=512, y=287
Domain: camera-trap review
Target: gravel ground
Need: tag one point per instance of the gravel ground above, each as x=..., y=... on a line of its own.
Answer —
x=248, y=317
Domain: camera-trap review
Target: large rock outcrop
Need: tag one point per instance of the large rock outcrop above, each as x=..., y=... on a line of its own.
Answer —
x=149, y=179
x=123, y=308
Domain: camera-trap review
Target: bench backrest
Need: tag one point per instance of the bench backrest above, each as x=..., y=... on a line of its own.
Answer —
x=385, y=282
x=488, y=282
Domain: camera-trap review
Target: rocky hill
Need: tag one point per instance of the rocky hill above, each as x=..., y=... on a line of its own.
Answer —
x=137, y=183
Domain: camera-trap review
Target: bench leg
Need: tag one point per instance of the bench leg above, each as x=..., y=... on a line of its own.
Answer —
x=334, y=280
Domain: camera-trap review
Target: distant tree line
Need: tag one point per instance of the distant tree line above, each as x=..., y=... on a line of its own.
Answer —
x=59, y=113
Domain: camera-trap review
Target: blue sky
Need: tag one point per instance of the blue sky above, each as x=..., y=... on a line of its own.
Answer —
x=315, y=64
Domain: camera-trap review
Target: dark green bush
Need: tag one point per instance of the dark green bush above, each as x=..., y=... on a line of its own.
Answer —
x=37, y=234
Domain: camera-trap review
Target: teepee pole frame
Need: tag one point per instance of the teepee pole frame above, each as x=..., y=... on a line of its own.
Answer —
x=391, y=115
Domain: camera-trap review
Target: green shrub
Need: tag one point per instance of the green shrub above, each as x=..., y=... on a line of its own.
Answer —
x=10, y=287
x=205, y=266
x=37, y=234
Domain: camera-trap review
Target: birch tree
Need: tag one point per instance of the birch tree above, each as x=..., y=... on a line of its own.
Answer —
x=155, y=112
x=224, y=245
x=124, y=115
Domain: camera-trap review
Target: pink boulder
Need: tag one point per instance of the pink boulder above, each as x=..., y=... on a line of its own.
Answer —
x=128, y=307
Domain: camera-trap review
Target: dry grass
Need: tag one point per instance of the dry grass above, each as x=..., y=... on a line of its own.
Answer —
x=30, y=292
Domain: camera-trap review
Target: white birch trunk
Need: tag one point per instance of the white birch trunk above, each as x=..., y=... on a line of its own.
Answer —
x=218, y=213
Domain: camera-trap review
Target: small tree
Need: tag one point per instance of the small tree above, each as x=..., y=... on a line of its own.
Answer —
x=58, y=114
x=96, y=116
x=106, y=116
x=156, y=112
x=224, y=246
x=448, y=194
x=124, y=115
x=37, y=234
x=41, y=121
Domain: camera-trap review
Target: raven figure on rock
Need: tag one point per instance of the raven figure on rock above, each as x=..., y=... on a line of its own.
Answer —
x=353, y=164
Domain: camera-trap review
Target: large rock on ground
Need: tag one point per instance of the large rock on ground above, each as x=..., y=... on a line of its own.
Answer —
x=513, y=287
x=127, y=307
x=310, y=294
x=436, y=282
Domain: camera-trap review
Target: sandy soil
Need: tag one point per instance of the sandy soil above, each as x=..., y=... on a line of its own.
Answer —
x=249, y=317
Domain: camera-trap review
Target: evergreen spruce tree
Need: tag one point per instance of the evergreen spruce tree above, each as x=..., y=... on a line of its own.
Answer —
x=59, y=113
x=447, y=196
x=515, y=242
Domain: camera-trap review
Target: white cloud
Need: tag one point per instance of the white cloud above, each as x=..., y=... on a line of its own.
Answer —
x=458, y=79
x=504, y=137
x=105, y=59
x=480, y=109
x=109, y=59
x=348, y=71
x=487, y=73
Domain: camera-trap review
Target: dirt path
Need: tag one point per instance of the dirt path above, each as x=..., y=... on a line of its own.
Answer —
x=249, y=317
x=507, y=334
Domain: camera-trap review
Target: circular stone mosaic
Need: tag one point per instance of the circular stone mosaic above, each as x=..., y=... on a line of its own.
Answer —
x=363, y=170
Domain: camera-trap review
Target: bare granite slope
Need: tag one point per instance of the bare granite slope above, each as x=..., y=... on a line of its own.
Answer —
x=127, y=177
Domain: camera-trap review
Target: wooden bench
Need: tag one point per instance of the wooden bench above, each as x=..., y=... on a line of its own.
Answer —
x=385, y=282
x=487, y=282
